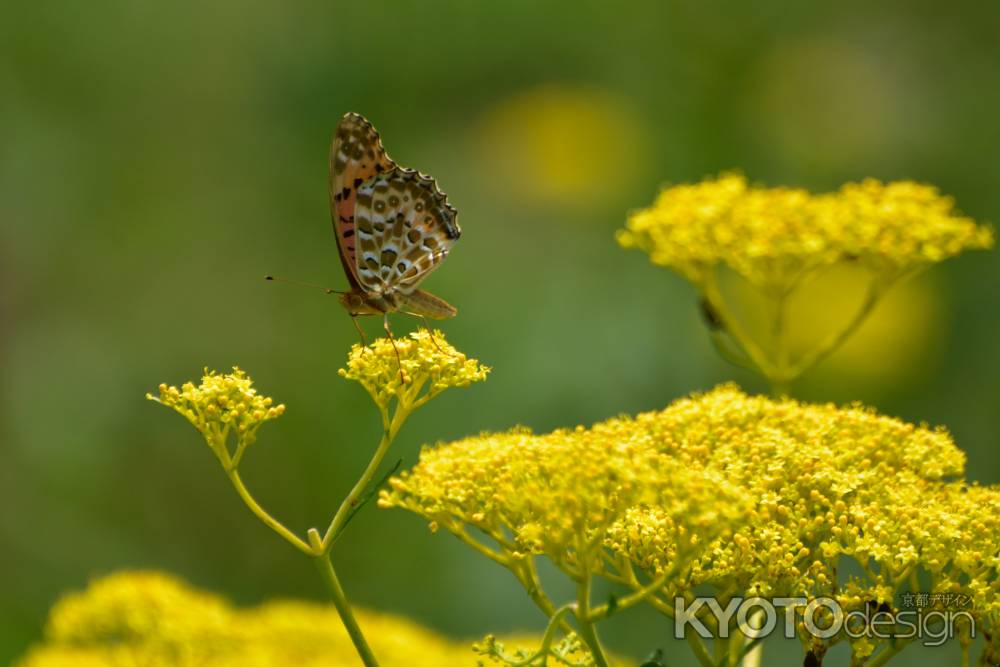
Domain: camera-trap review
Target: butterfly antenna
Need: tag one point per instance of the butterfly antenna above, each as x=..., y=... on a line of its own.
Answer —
x=392, y=339
x=302, y=284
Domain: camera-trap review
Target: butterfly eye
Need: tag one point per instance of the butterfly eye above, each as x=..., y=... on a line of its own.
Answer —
x=418, y=207
x=394, y=201
x=379, y=206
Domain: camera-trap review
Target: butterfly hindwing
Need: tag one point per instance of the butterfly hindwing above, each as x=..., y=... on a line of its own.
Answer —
x=356, y=156
x=424, y=304
x=405, y=228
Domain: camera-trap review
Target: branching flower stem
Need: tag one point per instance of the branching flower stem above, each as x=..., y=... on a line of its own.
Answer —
x=588, y=633
x=318, y=548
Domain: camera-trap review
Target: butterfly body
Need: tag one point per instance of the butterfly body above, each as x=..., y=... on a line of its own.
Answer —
x=393, y=226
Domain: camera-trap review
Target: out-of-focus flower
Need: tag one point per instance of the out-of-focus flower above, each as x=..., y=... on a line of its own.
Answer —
x=774, y=237
x=222, y=407
x=154, y=620
x=779, y=239
x=564, y=144
x=425, y=366
x=898, y=343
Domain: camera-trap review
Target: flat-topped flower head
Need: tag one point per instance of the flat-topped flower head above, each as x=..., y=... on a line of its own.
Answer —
x=565, y=494
x=223, y=406
x=776, y=236
x=425, y=366
x=748, y=495
x=155, y=620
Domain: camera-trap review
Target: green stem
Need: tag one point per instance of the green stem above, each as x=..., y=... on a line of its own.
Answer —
x=588, y=633
x=558, y=619
x=713, y=295
x=965, y=654
x=699, y=649
x=751, y=651
x=325, y=566
x=390, y=429
x=262, y=514
x=835, y=340
x=624, y=603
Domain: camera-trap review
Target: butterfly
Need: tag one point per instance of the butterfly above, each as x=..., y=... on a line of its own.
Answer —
x=393, y=225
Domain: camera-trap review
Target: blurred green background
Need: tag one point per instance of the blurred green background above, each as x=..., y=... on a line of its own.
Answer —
x=157, y=159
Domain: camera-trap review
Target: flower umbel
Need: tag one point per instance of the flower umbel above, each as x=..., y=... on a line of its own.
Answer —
x=744, y=495
x=775, y=236
x=227, y=407
x=221, y=407
x=777, y=240
x=426, y=361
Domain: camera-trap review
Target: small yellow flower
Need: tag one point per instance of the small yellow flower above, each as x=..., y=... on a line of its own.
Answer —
x=222, y=407
x=425, y=361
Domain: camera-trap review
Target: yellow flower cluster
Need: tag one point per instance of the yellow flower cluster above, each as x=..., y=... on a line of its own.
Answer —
x=824, y=482
x=222, y=405
x=776, y=236
x=154, y=620
x=566, y=493
x=402, y=367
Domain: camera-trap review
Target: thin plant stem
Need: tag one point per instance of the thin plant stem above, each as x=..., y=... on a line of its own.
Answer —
x=325, y=566
x=713, y=295
x=588, y=633
x=699, y=649
x=835, y=340
x=624, y=603
x=262, y=514
x=557, y=620
x=391, y=428
x=752, y=655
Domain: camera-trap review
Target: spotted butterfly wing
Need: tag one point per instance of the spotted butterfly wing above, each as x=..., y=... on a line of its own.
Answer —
x=356, y=156
x=405, y=228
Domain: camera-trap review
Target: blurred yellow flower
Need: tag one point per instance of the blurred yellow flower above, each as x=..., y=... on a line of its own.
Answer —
x=562, y=143
x=780, y=239
x=150, y=619
x=898, y=342
x=775, y=237
x=427, y=361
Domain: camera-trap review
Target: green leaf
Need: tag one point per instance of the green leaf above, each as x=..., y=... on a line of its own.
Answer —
x=365, y=498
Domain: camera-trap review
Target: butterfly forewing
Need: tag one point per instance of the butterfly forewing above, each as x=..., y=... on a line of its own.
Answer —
x=356, y=156
x=405, y=228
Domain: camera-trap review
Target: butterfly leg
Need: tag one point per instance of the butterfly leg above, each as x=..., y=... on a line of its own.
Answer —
x=361, y=332
x=433, y=339
x=392, y=339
